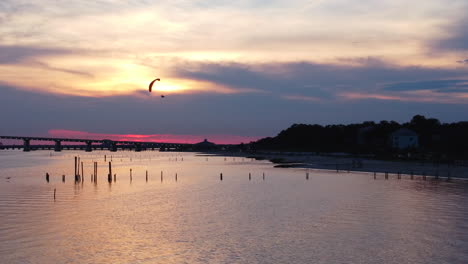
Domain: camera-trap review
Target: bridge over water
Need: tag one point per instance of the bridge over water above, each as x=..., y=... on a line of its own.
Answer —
x=88, y=144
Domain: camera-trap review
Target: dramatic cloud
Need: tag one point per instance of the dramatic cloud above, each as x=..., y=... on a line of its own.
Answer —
x=310, y=81
x=248, y=68
x=57, y=46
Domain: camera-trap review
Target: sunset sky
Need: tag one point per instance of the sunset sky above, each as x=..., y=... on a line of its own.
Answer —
x=231, y=71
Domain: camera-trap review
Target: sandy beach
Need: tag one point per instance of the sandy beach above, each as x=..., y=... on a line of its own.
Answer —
x=347, y=163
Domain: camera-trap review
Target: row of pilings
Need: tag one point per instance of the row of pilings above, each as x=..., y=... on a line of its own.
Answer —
x=79, y=173
x=412, y=175
x=80, y=178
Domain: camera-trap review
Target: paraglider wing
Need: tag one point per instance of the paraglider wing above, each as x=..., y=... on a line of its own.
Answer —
x=151, y=84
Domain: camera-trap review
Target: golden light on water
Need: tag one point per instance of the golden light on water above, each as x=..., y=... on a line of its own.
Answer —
x=189, y=220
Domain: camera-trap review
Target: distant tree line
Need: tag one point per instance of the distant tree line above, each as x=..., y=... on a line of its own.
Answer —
x=436, y=140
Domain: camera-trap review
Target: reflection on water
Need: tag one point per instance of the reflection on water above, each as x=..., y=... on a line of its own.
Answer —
x=330, y=218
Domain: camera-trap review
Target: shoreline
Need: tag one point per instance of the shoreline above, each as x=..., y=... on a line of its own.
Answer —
x=332, y=163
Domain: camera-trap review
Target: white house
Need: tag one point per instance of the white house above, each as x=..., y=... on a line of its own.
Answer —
x=404, y=138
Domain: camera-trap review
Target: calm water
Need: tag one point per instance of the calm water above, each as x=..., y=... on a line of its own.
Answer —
x=331, y=218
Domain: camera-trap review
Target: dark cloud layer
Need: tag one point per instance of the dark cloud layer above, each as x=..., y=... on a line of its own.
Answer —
x=457, y=39
x=440, y=86
x=323, y=80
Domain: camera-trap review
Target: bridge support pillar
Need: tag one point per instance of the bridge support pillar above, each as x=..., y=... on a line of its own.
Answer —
x=113, y=147
x=138, y=147
x=89, y=146
x=58, y=146
x=27, y=145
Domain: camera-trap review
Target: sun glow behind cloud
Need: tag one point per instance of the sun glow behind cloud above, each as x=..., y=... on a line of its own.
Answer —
x=246, y=66
x=116, y=47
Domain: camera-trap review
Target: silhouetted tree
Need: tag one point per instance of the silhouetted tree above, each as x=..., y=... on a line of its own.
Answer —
x=438, y=141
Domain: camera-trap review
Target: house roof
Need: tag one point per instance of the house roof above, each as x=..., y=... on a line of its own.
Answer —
x=404, y=132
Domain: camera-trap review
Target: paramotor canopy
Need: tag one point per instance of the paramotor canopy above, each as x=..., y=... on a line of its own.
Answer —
x=152, y=83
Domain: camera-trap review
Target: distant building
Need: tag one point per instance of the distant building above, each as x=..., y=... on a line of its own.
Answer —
x=205, y=145
x=404, y=138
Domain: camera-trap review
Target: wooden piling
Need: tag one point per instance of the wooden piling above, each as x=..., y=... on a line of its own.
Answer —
x=109, y=176
x=399, y=175
x=386, y=175
x=250, y=176
x=307, y=176
x=221, y=176
x=47, y=176
x=146, y=175
x=77, y=175
x=55, y=190
x=105, y=158
x=263, y=176
x=63, y=178
x=131, y=178
x=176, y=177
x=95, y=171
x=76, y=160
